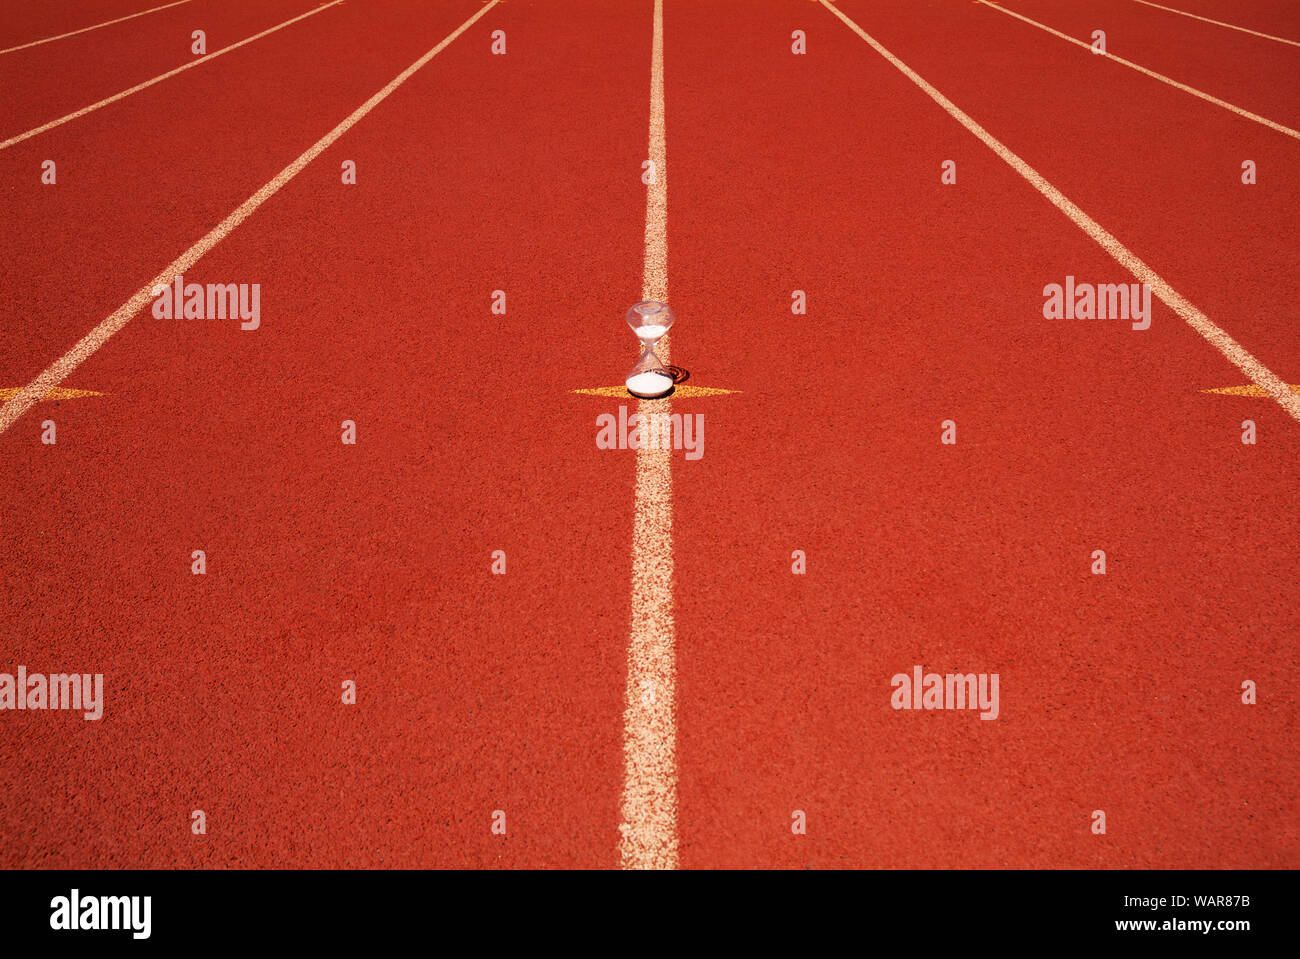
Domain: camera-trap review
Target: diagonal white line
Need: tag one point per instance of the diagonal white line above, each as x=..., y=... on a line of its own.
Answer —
x=649, y=828
x=1208, y=98
x=1220, y=23
x=92, y=341
x=160, y=78
x=106, y=23
x=1202, y=324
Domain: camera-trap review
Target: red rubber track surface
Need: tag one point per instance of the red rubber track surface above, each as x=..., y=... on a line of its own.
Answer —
x=328, y=562
x=925, y=305
x=521, y=173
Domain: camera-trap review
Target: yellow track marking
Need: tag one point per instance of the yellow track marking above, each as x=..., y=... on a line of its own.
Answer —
x=106, y=23
x=160, y=78
x=1220, y=23
x=59, y=370
x=684, y=392
x=58, y=393
x=1236, y=354
x=1151, y=73
x=648, y=832
x=1251, y=390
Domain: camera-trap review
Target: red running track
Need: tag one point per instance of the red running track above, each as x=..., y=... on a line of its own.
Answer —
x=478, y=692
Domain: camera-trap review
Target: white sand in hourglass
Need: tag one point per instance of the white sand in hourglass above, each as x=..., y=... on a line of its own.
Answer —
x=649, y=384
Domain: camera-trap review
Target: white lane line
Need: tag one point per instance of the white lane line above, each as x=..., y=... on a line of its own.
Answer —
x=649, y=828
x=59, y=370
x=1220, y=340
x=161, y=77
x=1220, y=23
x=1208, y=98
x=106, y=23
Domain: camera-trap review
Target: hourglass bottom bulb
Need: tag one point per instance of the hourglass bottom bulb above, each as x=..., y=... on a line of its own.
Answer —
x=649, y=384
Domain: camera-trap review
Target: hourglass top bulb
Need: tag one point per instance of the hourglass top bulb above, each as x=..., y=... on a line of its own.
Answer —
x=650, y=320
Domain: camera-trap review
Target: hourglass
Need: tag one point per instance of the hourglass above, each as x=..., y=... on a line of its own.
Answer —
x=649, y=379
